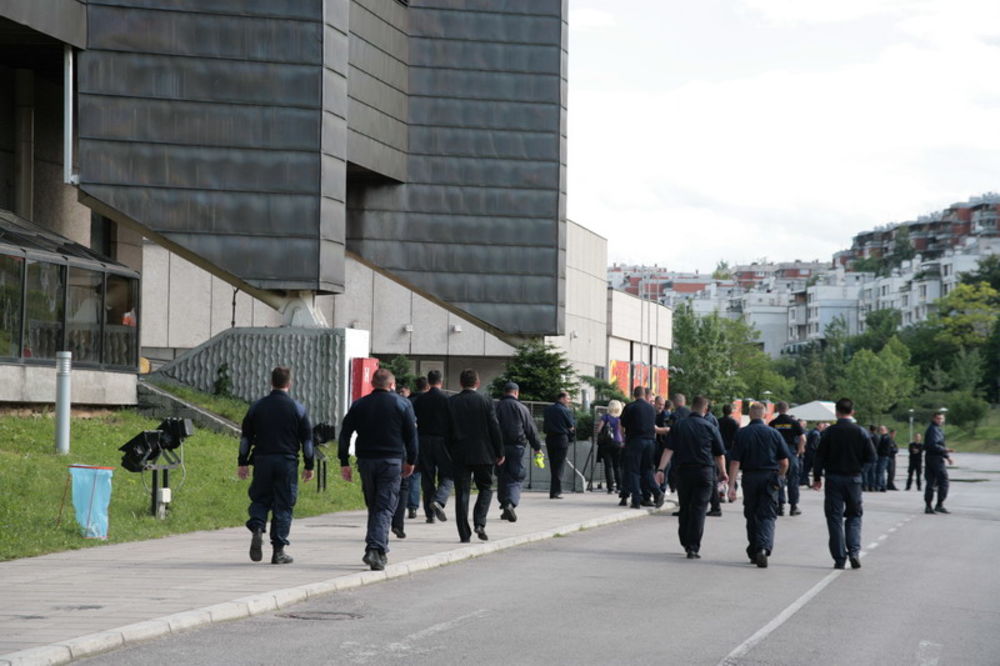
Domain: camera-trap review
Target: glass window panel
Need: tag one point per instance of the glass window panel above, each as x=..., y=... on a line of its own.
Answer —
x=10, y=305
x=84, y=321
x=45, y=305
x=120, y=323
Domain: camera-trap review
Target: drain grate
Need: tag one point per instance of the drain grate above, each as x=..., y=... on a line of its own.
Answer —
x=328, y=616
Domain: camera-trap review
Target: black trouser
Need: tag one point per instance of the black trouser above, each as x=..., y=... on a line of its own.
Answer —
x=937, y=478
x=612, y=457
x=510, y=475
x=380, y=480
x=760, y=508
x=558, y=446
x=483, y=477
x=694, y=484
x=713, y=499
x=436, y=472
x=914, y=470
x=790, y=483
x=400, y=513
x=273, y=489
x=890, y=472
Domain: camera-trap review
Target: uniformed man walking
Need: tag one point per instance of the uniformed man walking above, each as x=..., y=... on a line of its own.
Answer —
x=694, y=447
x=560, y=430
x=844, y=448
x=916, y=465
x=517, y=428
x=476, y=447
x=760, y=452
x=795, y=441
x=434, y=427
x=638, y=419
x=386, y=451
x=935, y=455
x=275, y=428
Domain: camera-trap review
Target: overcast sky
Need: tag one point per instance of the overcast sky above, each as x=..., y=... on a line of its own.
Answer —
x=702, y=130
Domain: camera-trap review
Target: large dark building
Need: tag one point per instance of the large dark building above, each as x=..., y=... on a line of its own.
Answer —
x=269, y=142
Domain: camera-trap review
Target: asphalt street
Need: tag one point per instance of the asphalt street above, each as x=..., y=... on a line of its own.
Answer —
x=927, y=593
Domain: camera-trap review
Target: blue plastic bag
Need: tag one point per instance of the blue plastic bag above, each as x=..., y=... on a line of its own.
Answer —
x=91, y=497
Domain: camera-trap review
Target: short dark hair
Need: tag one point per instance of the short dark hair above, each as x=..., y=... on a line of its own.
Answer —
x=281, y=377
x=420, y=384
x=782, y=406
x=434, y=377
x=382, y=378
x=561, y=395
x=468, y=378
x=844, y=406
x=638, y=392
x=699, y=403
x=727, y=409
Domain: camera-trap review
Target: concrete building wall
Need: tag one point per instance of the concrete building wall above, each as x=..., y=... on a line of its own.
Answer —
x=37, y=384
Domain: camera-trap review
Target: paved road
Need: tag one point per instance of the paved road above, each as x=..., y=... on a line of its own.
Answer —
x=927, y=593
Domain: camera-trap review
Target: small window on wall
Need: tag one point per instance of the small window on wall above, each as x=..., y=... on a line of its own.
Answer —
x=120, y=321
x=44, y=308
x=83, y=322
x=11, y=292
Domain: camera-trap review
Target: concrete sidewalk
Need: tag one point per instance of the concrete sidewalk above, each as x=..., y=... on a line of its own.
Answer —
x=64, y=606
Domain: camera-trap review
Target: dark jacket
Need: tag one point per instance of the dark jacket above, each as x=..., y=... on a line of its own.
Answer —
x=934, y=442
x=728, y=427
x=433, y=415
x=516, y=425
x=558, y=420
x=695, y=441
x=843, y=448
x=276, y=425
x=758, y=447
x=475, y=438
x=884, y=446
x=385, y=425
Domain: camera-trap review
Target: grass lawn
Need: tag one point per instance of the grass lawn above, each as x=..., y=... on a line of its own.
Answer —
x=33, y=479
x=233, y=409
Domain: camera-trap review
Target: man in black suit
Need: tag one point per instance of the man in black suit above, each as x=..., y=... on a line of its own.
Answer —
x=476, y=446
x=559, y=425
x=434, y=427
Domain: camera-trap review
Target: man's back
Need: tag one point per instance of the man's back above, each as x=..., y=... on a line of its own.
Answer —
x=695, y=441
x=476, y=438
x=516, y=425
x=843, y=448
x=433, y=415
x=789, y=429
x=385, y=426
x=728, y=427
x=639, y=420
x=278, y=425
x=557, y=419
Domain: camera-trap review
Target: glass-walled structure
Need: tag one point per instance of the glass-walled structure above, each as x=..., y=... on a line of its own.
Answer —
x=56, y=295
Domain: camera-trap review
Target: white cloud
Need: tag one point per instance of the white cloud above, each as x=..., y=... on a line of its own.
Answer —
x=790, y=163
x=820, y=11
x=586, y=18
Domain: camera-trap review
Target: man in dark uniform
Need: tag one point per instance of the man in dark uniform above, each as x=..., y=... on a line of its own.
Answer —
x=795, y=441
x=936, y=475
x=386, y=451
x=434, y=427
x=762, y=455
x=728, y=427
x=560, y=429
x=414, y=481
x=476, y=446
x=844, y=449
x=695, y=446
x=518, y=430
x=680, y=411
x=916, y=466
x=714, y=500
x=890, y=469
x=812, y=443
x=638, y=419
x=274, y=429
x=883, y=446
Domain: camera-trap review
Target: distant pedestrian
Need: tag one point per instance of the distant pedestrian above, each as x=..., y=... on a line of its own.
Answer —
x=728, y=427
x=559, y=425
x=638, y=420
x=761, y=454
x=915, y=469
x=476, y=447
x=715, y=499
x=275, y=429
x=437, y=473
x=695, y=446
x=517, y=427
x=812, y=443
x=882, y=448
x=610, y=444
x=412, y=495
x=844, y=449
x=890, y=468
x=868, y=471
x=936, y=474
x=385, y=452
x=795, y=441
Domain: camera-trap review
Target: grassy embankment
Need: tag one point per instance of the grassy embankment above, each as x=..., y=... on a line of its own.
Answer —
x=227, y=407
x=985, y=439
x=33, y=480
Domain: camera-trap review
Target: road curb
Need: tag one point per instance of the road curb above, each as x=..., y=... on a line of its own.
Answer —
x=65, y=652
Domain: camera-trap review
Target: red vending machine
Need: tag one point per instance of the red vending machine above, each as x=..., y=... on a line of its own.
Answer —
x=362, y=370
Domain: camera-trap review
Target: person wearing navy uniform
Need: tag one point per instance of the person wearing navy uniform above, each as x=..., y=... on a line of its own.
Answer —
x=694, y=446
x=274, y=429
x=795, y=441
x=760, y=452
x=386, y=451
x=638, y=419
x=916, y=461
x=936, y=474
x=518, y=431
x=844, y=449
x=433, y=429
x=560, y=429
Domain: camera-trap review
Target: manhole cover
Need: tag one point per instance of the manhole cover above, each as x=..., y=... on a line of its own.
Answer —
x=320, y=615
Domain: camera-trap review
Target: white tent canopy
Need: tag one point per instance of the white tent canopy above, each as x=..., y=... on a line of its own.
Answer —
x=817, y=410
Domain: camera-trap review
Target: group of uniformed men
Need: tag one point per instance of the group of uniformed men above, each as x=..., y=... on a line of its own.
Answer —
x=461, y=439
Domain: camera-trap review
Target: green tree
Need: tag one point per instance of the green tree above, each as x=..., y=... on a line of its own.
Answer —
x=967, y=411
x=702, y=359
x=967, y=315
x=880, y=325
x=604, y=391
x=868, y=265
x=987, y=271
x=876, y=382
x=722, y=271
x=967, y=371
x=400, y=366
x=926, y=350
x=902, y=247
x=540, y=370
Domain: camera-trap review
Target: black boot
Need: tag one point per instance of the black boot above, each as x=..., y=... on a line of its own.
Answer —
x=281, y=557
